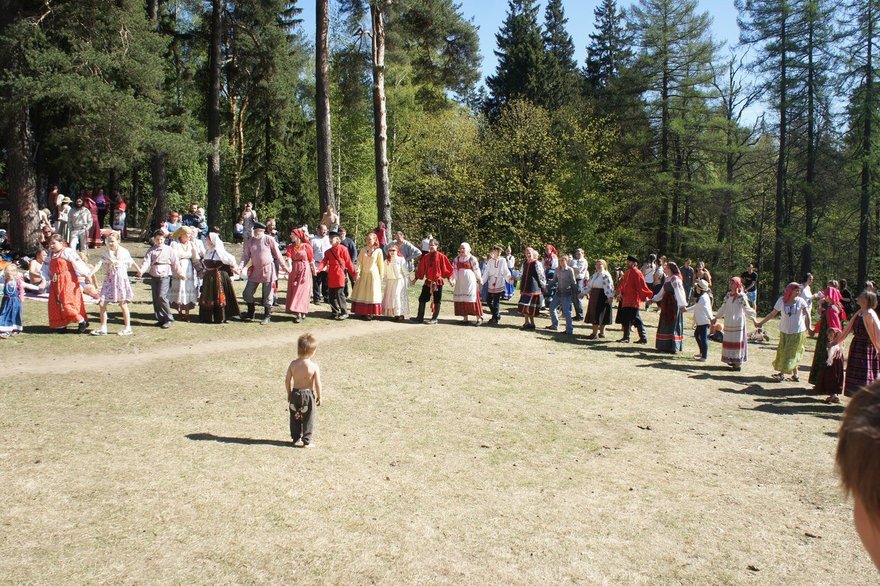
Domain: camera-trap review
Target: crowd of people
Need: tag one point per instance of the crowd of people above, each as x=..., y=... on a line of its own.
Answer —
x=191, y=272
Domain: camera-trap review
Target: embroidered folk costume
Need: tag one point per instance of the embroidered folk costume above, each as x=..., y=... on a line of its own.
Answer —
x=395, y=300
x=736, y=311
x=337, y=263
x=531, y=287
x=672, y=301
x=434, y=267
x=366, y=295
x=66, y=305
x=496, y=276
x=217, y=301
x=261, y=251
x=468, y=279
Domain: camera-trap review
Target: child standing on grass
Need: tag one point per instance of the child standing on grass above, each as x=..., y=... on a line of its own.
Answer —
x=13, y=294
x=303, y=384
x=703, y=318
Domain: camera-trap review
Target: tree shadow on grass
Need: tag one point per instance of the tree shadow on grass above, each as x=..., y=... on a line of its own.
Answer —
x=245, y=441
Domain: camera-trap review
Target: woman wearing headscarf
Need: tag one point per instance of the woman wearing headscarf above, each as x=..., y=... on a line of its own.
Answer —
x=395, y=301
x=468, y=279
x=830, y=325
x=793, y=326
x=217, y=302
x=600, y=289
x=735, y=310
x=862, y=362
x=531, y=288
x=672, y=302
x=184, y=293
x=366, y=295
x=299, y=280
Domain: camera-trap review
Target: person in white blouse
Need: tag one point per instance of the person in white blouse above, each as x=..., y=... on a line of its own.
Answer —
x=496, y=276
x=600, y=290
x=581, y=272
x=703, y=318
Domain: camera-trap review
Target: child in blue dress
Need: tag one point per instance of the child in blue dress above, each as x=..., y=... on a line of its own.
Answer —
x=10, y=309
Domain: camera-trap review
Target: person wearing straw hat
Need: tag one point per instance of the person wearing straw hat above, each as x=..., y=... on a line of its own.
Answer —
x=703, y=319
x=261, y=250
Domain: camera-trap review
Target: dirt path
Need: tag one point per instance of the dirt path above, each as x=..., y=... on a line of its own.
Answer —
x=207, y=347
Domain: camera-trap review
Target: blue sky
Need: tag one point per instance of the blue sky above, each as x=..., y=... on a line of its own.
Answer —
x=488, y=15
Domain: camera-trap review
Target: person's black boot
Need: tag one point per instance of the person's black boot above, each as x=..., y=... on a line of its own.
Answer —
x=421, y=315
x=249, y=314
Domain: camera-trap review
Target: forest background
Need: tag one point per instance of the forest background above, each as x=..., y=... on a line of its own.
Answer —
x=650, y=145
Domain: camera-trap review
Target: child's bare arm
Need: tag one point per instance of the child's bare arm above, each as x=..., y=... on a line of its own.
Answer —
x=287, y=380
x=317, y=385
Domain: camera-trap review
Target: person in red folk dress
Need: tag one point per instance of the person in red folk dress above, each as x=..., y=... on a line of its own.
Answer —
x=433, y=267
x=632, y=292
x=337, y=262
x=299, y=280
x=66, y=305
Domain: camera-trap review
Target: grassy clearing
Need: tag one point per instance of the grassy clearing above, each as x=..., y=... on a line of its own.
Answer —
x=445, y=454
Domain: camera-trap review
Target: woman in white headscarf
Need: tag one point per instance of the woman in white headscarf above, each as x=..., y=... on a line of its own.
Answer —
x=184, y=292
x=468, y=281
x=217, y=302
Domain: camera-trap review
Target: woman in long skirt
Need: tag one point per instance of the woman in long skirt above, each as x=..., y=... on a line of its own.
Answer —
x=299, y=280
x=793, y=326
x=468, y=280
x=66, y=303
x=395, y=300
x=830, y=320
x=735, y=310
x=672, y=302
x=862, y=363
x=531, y=287
x=600, y=289
x=366, y=295
x=184, y=293
x=217, y=302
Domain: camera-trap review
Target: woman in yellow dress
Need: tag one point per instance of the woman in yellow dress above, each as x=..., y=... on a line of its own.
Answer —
x=366, y=297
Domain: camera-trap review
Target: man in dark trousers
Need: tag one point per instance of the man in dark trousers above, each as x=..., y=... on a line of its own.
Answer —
x=337, y=263
x=632, y=291
x=434, y=267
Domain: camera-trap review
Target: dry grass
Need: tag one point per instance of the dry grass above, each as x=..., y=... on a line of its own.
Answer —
x=445, y=454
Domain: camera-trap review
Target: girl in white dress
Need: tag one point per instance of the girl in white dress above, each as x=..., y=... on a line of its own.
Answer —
x=395, y=301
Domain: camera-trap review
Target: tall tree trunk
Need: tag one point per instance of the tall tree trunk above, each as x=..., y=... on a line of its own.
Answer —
x=380, y=118
x=214, y=218
x=867, y=154
x=268, y=192
x=135, y=200
x=160, y=190
x=24, y=221
x=322, y=106
x=663, y=232
x=158, y=168
x=780, y=164
x=809, y=188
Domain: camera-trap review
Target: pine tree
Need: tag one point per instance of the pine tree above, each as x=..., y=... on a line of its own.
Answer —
x=676, y=52
x=561, y=81
x=768, y=25
x=861, y=76
x=521, y=70
x=609, y=49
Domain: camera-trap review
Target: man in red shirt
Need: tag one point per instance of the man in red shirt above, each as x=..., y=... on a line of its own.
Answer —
x=632, y=291
x=337, y=262
x=433, y=268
